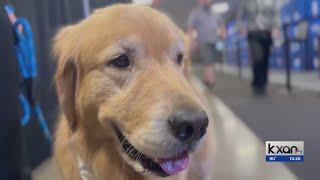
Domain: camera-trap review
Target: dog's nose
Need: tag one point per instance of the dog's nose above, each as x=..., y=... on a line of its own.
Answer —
x=189, y=126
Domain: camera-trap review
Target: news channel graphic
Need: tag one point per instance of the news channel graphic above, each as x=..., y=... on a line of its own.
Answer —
x=284, y=151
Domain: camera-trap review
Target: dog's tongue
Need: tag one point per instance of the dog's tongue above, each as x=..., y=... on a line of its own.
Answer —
x=175, y=165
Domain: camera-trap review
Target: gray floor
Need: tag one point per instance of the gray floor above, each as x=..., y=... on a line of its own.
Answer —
x=301, y=81
x=240, y=153
x=277, y=116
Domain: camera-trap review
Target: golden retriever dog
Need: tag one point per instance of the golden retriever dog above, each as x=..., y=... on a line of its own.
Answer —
x=129, y=109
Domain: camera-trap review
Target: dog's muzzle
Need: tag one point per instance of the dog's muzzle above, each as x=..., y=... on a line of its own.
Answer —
x=187, y=126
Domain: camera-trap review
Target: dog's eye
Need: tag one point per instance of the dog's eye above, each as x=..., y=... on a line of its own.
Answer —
x=179, y=59
x=120, y=62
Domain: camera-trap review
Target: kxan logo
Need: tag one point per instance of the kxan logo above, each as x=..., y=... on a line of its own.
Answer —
x=284, y=151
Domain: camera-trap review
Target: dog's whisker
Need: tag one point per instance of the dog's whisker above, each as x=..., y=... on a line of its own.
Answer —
x=139, y=156
x=136, y=157
x=127, y=150
x=131, y=150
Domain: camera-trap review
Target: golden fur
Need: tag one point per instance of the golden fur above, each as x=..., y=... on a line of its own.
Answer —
x=92, y=94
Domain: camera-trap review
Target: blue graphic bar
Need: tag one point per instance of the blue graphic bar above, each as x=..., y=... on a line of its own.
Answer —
x=285, y=158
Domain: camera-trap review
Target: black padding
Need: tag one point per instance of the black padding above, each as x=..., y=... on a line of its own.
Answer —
x=10, y=131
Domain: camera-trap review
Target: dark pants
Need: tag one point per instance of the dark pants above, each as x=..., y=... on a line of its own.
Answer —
x=260, y=43
x=10, y=134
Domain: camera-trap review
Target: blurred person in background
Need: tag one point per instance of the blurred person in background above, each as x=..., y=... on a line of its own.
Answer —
x=155, y=3
x=318, y=56
x=260, y=17
x=207, y=27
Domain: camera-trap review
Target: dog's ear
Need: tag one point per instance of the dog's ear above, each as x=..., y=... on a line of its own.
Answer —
x=67, y=74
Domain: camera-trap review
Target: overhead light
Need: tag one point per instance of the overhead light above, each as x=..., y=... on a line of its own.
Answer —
x=220, y=8
x=146, y=2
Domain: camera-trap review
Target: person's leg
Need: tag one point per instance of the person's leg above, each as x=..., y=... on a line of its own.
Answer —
x=214, y=58
x=264, y=72
x=207, y=60
x=266, y=43
x=256, y=56
x=208, y=75
x=261, y=77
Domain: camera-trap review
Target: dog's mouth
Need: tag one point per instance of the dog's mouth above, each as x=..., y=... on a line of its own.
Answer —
x=159, y=166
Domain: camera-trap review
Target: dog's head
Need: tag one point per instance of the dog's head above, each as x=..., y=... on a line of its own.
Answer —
x=123, y=74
